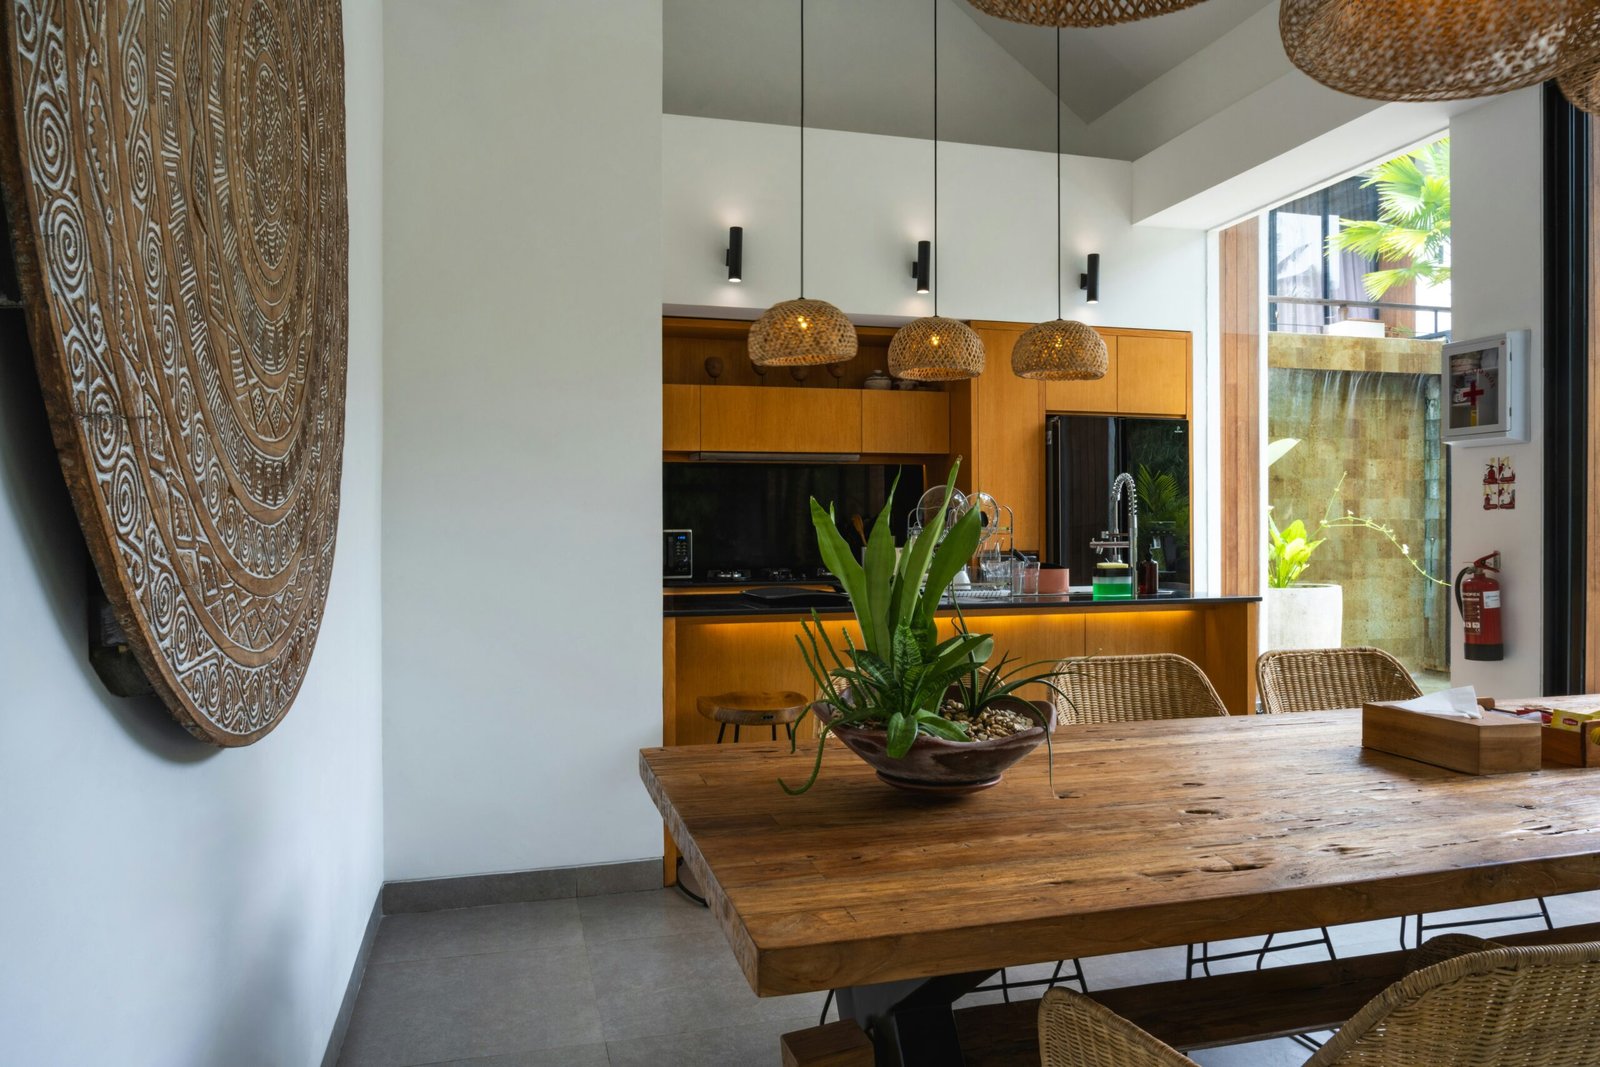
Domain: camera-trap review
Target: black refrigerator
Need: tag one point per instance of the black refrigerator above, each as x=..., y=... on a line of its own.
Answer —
x=1083, y=456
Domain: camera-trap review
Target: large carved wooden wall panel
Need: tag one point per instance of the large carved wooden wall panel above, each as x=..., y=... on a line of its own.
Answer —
x=174, y=179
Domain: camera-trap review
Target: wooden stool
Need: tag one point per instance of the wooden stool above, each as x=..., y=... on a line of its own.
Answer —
x=740, y=709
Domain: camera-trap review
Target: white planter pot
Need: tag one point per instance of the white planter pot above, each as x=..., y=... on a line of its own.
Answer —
x=1305, y=616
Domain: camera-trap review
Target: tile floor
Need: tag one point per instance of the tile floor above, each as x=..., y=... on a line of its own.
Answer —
x=647, y=978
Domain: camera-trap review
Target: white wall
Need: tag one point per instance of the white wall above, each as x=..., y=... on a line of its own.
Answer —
x=869, y=199
x=165, y=903
x=522, y=482
x=1498, y=284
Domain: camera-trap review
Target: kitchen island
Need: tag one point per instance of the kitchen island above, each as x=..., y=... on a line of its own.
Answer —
x=714, y=643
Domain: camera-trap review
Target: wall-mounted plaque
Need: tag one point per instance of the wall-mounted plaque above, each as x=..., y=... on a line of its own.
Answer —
x=174, y=180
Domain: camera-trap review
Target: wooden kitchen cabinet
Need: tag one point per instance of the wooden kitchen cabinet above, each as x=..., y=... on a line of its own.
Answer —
x=1152, y=375
x=680, y=418
x=1097, y=396
x=739, y=418
x=1007, y=446
x=905, y=423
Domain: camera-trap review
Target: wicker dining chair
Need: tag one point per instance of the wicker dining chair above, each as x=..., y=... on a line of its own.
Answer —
x=1481, y=1009
x=1134, y=689
x=1111, y=689
x=1325, y=679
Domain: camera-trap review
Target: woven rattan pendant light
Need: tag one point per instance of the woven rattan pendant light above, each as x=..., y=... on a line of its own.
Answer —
x=933, y=348
x=802, y=333
x=1436, y=49
x=1581, y=85
x=1078, y=12
x=1060, y=350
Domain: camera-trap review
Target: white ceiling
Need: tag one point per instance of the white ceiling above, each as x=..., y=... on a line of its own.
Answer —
x=1102, y=67
x=869, y=68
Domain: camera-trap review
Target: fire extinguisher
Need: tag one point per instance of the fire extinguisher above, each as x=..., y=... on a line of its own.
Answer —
x=1478, y=600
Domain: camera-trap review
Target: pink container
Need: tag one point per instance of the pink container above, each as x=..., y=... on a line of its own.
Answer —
x=1054, y=579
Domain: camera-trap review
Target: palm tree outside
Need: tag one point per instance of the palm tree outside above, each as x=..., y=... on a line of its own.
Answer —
x=1413, y=225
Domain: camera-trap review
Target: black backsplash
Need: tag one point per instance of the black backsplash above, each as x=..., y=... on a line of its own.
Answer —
x=755, y=515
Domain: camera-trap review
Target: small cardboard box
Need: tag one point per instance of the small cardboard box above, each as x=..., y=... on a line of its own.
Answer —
x=1575, y=719
x=1495, y=744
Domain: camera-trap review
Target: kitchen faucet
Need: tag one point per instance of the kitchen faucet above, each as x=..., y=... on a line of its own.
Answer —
x=1112, y=539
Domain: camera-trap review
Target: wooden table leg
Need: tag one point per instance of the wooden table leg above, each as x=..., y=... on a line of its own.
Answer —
x=912, y=1023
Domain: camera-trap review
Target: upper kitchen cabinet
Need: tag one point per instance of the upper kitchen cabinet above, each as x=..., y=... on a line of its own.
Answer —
x=743, y=418
x=905, y=423
x=1148, y=374
x=1153, y=374
x=680, y=418
x=1093, y=397
x=714, y=400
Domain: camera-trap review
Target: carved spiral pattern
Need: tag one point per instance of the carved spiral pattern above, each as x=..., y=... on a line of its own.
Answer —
x=175, y=185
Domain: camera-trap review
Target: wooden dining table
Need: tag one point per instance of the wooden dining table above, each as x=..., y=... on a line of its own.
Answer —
x=1154, y=834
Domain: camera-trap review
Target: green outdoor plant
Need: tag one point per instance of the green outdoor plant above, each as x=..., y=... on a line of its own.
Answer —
x=1288, y=552
x=900, y=678
x=1413, y=223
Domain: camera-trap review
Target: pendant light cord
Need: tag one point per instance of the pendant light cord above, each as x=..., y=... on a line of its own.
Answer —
x=1059, y=275
x=936, y=158
x=803, y=148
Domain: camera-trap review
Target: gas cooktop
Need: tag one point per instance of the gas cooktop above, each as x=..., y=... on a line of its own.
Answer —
x=767, y=574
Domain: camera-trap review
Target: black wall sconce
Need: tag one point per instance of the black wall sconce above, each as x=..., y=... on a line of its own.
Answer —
x=920, y=267
x=1089, y=281
x=734, y=257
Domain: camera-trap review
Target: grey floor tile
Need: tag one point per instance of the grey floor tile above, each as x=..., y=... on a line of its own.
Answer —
x=650, y=987
x=428, y=1011
x=1134, y=968
x=751, y=1045
x=1279, y=1053
x=576, y=1056
x=647, y=977
x=474, y=931
x=657, y=913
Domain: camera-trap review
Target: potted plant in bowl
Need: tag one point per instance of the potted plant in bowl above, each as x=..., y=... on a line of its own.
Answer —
x=926, y=714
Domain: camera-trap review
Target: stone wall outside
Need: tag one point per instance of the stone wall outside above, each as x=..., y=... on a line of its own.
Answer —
x=1367, y=408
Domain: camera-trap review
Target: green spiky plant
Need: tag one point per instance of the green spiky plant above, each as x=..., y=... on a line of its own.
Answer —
x=899, y=679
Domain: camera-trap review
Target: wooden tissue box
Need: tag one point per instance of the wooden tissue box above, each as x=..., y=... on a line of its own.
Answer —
x=1577, y=746
x=1495, y=744
x=1572, y=748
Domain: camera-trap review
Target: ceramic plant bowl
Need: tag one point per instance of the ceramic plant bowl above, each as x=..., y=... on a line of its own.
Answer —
x=935, y=765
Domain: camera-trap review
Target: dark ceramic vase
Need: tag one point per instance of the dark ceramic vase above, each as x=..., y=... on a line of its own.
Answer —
x=935, y=765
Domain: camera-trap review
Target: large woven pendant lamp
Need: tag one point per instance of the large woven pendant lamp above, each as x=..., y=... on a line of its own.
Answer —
x=1060, y=350
x=802, y=333
x=1581, y=85
x=933, y=348
x=1078, y=12
x=1410, y=50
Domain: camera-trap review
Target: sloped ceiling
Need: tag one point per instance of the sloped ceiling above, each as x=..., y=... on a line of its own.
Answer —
x=869, y=69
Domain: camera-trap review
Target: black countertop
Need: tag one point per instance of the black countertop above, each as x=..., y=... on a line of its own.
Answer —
x=725, y=605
